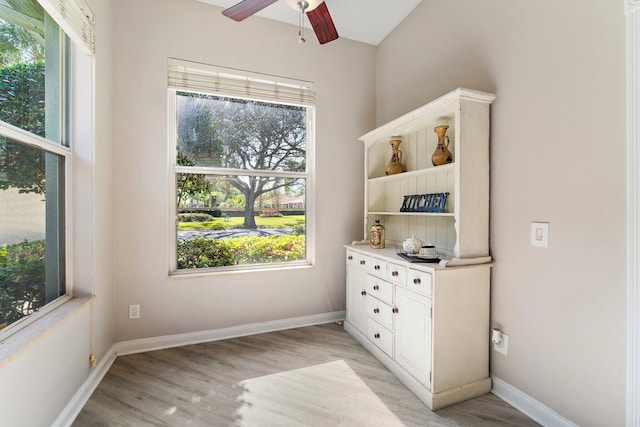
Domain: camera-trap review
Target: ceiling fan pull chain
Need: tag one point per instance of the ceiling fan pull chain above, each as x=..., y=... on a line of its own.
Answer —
x=302, y=5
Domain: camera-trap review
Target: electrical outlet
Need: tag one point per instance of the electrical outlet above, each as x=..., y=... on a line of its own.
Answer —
x=503, y=347
x=134, y=311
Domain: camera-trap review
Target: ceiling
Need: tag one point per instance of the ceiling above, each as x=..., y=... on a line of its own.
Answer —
x=368, y=21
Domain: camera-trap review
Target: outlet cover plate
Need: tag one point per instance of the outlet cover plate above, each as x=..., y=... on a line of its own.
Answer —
x=503, y=348
x=134, y=311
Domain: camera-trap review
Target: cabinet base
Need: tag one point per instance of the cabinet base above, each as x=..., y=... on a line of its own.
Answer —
x=434, y=401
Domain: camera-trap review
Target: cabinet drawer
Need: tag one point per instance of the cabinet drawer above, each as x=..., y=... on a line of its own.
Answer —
x=380, y=312
x=378, y=267
x=363, y=261
x=380, y=336
x=380, y=289
x=419, y=281
x=397, y=273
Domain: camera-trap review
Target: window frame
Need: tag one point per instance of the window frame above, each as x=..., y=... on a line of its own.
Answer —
x=61, y=148
x=174, y=169
x=35, y=141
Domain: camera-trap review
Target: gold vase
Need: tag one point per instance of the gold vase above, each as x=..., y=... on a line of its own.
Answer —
x=442, y=155
x=376, y=235
x=395, y=164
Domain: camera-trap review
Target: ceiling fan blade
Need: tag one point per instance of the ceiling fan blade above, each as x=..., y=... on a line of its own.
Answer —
x=322, y=24
x=246, y=8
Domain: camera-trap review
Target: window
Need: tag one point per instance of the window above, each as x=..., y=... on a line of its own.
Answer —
x=34, y=153
x=242, y=169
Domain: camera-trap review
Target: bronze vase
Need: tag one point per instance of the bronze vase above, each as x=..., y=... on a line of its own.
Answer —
x=395, y=164
x=376, y=235
x=442, y=155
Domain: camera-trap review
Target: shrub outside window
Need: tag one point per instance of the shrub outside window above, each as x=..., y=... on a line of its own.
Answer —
x=241, y=179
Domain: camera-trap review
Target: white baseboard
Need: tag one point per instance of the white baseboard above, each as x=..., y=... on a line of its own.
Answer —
x=179, y=340
x=528, y=405
x=75, y=405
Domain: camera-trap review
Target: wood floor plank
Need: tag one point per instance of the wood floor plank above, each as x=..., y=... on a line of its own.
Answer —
x=314, y=376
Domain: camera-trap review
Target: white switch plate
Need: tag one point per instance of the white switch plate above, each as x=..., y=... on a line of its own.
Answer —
x=134, y=311
x=540, y=234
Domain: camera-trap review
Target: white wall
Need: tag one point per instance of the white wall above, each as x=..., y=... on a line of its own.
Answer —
x=37, y=385
x=146, y=33
x=557, y=155
x=102, y=191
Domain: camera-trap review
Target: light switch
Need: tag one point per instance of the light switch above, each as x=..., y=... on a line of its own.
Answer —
x=540, y=234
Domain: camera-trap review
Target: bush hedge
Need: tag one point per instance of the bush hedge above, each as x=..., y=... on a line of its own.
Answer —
x=204, y=253
x=216, y=213
x=194, y=217
x=22, y=275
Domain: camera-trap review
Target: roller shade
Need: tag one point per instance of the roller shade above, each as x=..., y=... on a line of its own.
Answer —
x=196, y=77
x=75, y=18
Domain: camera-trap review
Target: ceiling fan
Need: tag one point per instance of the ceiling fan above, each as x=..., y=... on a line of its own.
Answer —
x=317, y=13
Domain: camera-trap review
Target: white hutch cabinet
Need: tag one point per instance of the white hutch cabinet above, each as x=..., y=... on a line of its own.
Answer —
x=428, y=322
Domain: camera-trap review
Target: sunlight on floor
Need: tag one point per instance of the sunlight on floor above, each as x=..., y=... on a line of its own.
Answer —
x=326, y=394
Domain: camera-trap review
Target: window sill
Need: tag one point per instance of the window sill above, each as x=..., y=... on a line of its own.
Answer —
x=247, y=269
x=12, y=346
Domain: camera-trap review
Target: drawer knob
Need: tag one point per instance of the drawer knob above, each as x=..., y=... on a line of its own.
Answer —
x=394, y=274
x=350, y=257
x=376, y=335
x=416, y=281
x=362, y=262
x=363, y=293
x=376, y=287
x=376, y=310
x=377, y=267
x=395, y=310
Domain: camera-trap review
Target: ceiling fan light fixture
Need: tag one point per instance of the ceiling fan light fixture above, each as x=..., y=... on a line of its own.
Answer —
x=311, y=4
x=316, y=11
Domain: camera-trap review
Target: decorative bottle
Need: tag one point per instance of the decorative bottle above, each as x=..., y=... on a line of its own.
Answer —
x=442, y=155
x=376, y=235
x=395, y=164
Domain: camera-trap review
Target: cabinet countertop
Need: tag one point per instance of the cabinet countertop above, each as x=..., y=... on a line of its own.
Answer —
x=390, y=255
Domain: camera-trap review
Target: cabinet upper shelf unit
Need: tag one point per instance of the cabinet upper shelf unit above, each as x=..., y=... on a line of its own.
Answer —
x=462, y=231
x=427, y=116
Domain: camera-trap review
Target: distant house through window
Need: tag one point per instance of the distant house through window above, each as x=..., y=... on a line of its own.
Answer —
x=242, y=169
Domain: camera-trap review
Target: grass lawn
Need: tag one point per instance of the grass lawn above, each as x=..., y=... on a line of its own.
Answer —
x=234, y=222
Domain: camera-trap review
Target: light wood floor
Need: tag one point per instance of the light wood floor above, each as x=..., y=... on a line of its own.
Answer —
x=315, y=376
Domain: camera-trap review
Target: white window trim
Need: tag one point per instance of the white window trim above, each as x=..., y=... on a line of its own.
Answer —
x=20, y=135
x=632, y=10
x=309, y=175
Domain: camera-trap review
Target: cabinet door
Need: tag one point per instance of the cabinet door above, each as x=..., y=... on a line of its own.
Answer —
x=413, y=334
x=356, y=298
